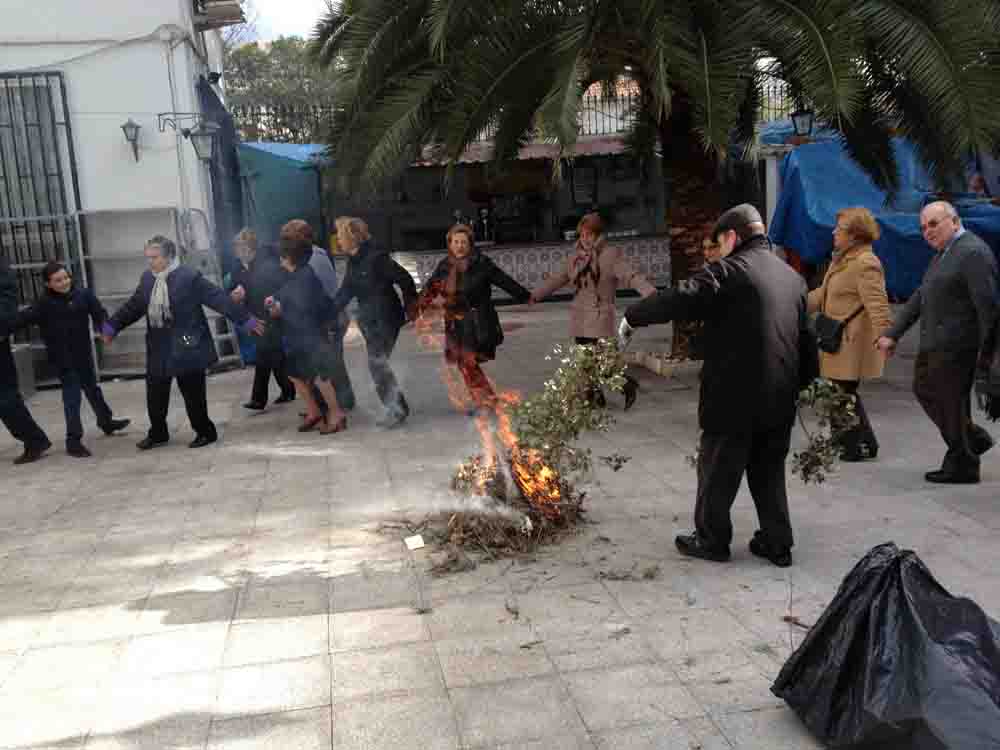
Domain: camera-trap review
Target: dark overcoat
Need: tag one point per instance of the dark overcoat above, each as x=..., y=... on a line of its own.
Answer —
x=261, y=280
x=372, y=277
x=306, y=312
x=8, y=316
x=471, y=321
x=754, y=310
x=184, y=345
x=64, y=321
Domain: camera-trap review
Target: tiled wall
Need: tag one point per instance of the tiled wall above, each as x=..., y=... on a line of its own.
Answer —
x=531, y=264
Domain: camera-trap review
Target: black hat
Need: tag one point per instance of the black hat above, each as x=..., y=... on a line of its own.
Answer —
x=735, y=218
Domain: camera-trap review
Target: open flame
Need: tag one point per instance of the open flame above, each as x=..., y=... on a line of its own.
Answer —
x=539, y=483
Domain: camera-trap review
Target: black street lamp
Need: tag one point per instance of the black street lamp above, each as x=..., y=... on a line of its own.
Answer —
x=802, y=121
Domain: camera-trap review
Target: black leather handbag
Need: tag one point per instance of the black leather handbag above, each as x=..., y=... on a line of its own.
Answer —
x=830, y=331
x=186, y=351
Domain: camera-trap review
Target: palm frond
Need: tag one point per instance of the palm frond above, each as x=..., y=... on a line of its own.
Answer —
x=932, y=59
x=819, y=43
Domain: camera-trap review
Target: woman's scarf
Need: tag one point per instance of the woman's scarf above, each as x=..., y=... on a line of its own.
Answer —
x=456, y=267
x=586, y=264
x=159, y=300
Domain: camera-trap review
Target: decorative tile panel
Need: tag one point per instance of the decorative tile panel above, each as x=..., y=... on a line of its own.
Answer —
x=532, y=264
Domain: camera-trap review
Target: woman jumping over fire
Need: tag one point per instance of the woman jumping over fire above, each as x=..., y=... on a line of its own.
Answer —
x=465, y=280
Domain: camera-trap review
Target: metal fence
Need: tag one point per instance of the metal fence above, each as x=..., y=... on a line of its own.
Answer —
x=776, y=102
x=599, y=115
x=38, y=184
x=282, y=124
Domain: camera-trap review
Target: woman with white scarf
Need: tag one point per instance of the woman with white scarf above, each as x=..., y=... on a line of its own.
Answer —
x=178, y=339
x=596, y=270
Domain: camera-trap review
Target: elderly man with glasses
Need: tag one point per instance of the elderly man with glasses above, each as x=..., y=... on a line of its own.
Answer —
x=956, y=306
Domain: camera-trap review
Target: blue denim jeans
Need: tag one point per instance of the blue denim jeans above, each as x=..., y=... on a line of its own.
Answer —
x=76, y=384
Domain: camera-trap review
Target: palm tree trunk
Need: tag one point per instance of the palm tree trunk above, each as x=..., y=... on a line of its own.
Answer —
x=692, y=196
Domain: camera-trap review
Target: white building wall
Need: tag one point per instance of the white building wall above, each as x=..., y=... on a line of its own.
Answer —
x=122, y=59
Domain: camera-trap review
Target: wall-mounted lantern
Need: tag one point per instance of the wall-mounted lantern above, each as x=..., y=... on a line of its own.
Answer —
x=802, y=121
x=203, y=139
x=202, y=136
x=131, y=131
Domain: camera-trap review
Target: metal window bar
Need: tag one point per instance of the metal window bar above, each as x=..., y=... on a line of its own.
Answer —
x=37, y=222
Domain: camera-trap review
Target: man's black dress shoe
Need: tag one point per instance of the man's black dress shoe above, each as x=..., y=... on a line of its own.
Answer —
x=254, y=406
x=202, y=440
x=952, y=477
x=148, y=443
x=285, y=398
x=115, y=425
x=693, y=546
x=32, y=454
x=78, y=450
x=760, y=547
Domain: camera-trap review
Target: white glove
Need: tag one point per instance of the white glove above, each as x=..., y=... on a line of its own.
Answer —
x=625, y=333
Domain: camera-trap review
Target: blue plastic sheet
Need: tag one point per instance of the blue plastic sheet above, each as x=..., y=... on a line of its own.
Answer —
x=820, y=179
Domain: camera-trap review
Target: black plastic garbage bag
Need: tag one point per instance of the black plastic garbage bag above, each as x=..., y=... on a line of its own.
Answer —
x=897, y=662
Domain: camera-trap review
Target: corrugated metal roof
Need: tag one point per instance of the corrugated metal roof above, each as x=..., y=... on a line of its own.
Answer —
x=483, y=151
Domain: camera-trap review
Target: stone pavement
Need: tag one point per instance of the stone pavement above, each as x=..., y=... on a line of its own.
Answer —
x=240, y=597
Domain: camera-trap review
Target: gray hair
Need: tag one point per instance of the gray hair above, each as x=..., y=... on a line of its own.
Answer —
x=948, y=209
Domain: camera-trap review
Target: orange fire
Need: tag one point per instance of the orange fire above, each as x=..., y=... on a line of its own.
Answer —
x=538, y=482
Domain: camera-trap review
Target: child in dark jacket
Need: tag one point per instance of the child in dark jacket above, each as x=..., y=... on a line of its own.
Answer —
x=62, y=315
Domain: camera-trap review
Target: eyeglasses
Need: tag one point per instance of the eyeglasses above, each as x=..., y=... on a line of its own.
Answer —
x=932, y=224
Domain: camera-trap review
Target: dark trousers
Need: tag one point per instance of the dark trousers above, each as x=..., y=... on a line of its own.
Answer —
x=722, y=460
x=379, y=351
x=75, y=385
x=341, y=379
x=194, y=389
x=862, y=434
x=942, y=383
x=268, y=364
x=13, y=413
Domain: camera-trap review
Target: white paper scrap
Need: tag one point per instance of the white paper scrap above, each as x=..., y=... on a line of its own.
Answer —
x=414, y=542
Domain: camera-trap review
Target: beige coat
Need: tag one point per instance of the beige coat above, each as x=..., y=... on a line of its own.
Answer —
x=593, y=313
x=855, y=278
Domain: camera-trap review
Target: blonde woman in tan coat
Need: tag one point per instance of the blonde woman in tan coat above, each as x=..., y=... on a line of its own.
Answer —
x=596, y=271
x=855, y=282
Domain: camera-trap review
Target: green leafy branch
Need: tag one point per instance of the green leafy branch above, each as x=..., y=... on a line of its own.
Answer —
x=833, y=410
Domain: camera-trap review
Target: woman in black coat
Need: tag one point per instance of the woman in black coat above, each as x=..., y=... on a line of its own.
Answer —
x=306, y=312
x=372, y=277
x=258, y=277
x=64, y=314
x=178, y=340
x=465, y=280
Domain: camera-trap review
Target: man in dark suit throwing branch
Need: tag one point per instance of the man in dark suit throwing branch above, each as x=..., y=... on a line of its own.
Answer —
x=956, y=306
x=754, y=309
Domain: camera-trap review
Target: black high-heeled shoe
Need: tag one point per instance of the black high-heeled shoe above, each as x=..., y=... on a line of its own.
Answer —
x=631, y=391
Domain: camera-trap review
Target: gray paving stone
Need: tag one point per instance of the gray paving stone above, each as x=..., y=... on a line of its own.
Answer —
x=397, y=669
x=421, y=721
x=185, y=732
x=492, y=658
x=629, y=695
x=376, y=627
x=515, y=711
x=307, y=729
x=771, y=729
x=276, y=686
x=277, y=639
x=194, y=648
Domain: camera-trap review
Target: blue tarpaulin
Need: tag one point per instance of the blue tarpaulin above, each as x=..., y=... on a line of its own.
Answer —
x=819, y=179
